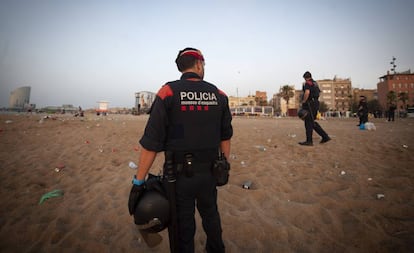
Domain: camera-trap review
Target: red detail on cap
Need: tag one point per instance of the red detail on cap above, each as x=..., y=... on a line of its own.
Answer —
x=165, y=91
x=193, y=53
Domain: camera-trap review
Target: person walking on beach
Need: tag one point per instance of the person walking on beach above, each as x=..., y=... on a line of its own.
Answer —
x=191, y=119
x=362, y=110
x=310, y=103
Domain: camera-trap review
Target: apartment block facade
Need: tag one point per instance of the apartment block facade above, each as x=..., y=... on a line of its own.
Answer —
x=336, y=93
x=397, y=82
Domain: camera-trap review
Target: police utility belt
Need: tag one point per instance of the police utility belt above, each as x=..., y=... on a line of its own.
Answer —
x=188, y=165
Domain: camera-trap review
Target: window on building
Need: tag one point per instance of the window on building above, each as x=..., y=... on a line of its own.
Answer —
x=393, y=85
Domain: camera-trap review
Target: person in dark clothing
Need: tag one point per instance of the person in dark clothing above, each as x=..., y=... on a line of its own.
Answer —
x=362, y=110
x=391, y=112
x=310, y=103
x=189, y=117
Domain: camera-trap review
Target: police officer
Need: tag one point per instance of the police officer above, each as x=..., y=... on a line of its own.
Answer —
x=362, y=110
x=191, y=118
x=310, y=103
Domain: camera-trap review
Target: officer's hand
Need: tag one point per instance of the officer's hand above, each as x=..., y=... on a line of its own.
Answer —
x=134, y=196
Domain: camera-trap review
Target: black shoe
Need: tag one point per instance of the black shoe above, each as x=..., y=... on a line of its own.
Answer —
x=306, y=143
x=324, y=140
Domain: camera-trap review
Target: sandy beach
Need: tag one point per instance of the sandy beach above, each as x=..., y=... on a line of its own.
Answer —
x=352, y=194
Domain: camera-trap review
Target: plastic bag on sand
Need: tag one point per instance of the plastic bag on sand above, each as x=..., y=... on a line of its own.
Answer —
x=52, y=194
x=370, y=126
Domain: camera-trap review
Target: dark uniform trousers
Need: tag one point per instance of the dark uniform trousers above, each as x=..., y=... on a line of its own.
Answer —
x=200, y=190
x=310, y=123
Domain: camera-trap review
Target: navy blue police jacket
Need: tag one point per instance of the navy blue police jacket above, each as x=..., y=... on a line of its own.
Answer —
x=313, y=88
x=188, y=116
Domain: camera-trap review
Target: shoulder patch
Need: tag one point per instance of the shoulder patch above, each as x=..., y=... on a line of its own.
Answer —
x=165, y=91
x=309, y=82
x=221, y=92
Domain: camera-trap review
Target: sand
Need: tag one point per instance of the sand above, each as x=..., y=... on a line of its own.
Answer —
x=352, y=194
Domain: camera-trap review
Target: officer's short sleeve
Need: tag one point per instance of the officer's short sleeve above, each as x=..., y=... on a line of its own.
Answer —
x=156, y=129
x=226, y=127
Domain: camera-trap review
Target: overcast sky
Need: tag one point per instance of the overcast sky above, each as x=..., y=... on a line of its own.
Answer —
x=79, y=51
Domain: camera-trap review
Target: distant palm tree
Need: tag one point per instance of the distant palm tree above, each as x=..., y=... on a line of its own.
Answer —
x=286, y=92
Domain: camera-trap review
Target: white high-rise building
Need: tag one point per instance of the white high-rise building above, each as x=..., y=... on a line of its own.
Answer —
x=20, y=98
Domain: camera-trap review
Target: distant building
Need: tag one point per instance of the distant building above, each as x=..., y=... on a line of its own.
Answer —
x=144, y=100
x=260, y=99
x=251, y=105
x=397, y=82
x=276, y=103
x=20, y=98
x=336, y=93
x=370, y=94
x=242, y=101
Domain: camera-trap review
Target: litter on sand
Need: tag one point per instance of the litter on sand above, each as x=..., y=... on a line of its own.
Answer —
x=52, y=194
x=260, y=147
x=59, y=167
x=132, y=165
x=247, y=185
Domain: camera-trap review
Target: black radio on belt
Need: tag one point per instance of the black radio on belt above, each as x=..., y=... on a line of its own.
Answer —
x=221, y=169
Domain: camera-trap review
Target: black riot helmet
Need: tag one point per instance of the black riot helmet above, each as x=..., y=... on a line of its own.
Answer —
x=302, y=113
x=152, y=212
